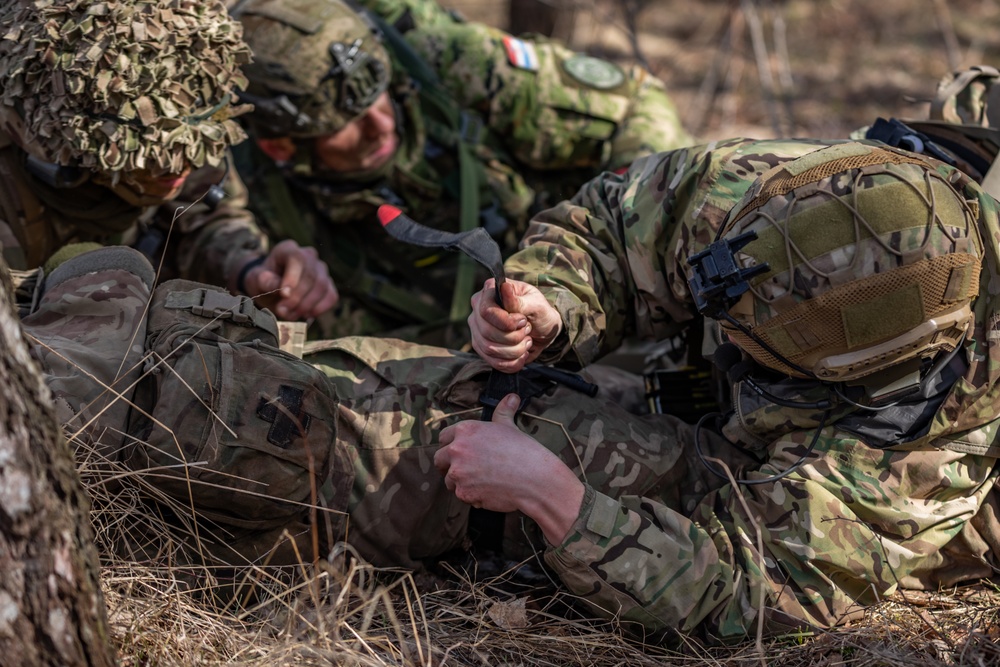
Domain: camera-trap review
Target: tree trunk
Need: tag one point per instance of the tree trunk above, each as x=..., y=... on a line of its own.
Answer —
x=538, y=16
x=51, y=608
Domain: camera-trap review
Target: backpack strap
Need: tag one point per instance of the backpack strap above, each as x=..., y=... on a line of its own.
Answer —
x=216, y=304
x=459, y=128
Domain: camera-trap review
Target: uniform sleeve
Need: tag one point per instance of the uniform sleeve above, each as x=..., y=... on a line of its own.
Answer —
x=611, y=260
x=207, y=245
x=551, y=107
x=422, y=13
x=842, y=531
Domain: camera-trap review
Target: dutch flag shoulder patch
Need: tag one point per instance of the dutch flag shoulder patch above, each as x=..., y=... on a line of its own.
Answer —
x=521, y=54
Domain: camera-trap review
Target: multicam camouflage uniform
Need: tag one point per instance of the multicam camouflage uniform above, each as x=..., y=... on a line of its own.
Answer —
x=875, y=506
x=97, y=111
x=659, y=540
x=536, y=126
x=187, y=374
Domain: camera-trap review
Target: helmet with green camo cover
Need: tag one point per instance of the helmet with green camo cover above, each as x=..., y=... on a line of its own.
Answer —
x=845, y=262
x=318, y=64
x=121, y=85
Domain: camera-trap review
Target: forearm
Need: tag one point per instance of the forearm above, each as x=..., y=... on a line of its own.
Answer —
x=808, y=550
x=217, y=252
x=652, y=566
x=575, y=260
x=205, y=243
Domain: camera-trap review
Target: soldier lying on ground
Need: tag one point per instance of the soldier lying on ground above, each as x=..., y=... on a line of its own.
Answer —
x=459, y=124
x=856, y=289
x=107, y=113
x=859, y=459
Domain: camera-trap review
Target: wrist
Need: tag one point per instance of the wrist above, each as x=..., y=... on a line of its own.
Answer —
x=556, y=506
x=241, y=277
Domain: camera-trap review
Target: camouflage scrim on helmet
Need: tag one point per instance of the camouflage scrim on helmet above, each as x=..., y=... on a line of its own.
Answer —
x=849, y=233
x=122, y=85
x=317, y=66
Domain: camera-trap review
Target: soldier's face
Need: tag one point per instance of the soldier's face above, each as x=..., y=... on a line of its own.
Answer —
x=140, y=188
x=367, y=142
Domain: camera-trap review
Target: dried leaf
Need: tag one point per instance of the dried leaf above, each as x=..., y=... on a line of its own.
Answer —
x=509, y=615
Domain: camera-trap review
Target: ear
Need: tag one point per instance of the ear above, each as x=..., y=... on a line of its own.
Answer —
x=279, y=149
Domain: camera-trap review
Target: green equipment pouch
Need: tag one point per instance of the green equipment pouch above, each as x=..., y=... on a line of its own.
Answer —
x=687, y=393
x=226, y=422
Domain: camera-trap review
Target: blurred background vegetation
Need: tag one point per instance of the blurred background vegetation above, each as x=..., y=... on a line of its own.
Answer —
x=769, y=68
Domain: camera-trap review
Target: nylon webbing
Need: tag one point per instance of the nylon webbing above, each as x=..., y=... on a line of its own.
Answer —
x=469, y=173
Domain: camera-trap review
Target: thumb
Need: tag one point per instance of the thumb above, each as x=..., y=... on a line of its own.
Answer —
x=506, y=409
x=511, y=302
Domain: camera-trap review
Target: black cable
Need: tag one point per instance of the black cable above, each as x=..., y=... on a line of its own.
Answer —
x=770, y=350
x=773, y=478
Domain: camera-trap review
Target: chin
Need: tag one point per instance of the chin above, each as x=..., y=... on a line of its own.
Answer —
x=146, y=198
x=380, y=160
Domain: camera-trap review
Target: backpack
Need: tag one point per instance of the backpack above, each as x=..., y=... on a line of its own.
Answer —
x=227, y=423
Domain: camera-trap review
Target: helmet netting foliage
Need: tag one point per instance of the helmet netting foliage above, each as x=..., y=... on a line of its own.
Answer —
x=122, y=85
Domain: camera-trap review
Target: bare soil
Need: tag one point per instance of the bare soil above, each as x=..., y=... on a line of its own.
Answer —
x=769, y=68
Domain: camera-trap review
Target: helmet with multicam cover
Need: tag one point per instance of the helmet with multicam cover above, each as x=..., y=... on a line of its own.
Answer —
x=121, y=85
x=317, y=65
x=850, y=260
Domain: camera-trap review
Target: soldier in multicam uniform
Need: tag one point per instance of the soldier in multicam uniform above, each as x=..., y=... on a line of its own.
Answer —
x=459, y=124
x=963, y=129
x=857, y=290
x=872, y=282
x=108, y=110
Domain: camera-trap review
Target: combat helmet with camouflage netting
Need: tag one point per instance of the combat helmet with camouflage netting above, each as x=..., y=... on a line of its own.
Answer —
x=121, y=85
x=317, y=66
x=845, y=262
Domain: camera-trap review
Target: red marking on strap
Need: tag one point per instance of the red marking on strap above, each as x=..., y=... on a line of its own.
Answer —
x=387, y=214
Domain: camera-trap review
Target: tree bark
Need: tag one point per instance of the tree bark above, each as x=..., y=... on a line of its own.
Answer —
x=538, y=16
x=51, y=608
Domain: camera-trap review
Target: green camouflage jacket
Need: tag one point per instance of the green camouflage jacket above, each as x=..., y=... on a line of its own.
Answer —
x=208, y=245
x=415, y=13
x=868, y=512
x=536, y=131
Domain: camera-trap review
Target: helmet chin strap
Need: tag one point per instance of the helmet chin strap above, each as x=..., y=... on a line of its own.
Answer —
x=58, y=176
x=215, y=194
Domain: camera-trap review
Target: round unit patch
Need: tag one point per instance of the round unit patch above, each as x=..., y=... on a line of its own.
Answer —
x=594, y=72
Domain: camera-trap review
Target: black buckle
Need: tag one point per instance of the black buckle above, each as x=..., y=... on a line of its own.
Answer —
x=219, y=305
x=716, y=281
x=470, y=128
x=898, y=134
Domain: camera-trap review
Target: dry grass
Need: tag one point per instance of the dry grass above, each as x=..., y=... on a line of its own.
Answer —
x=165, y=611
